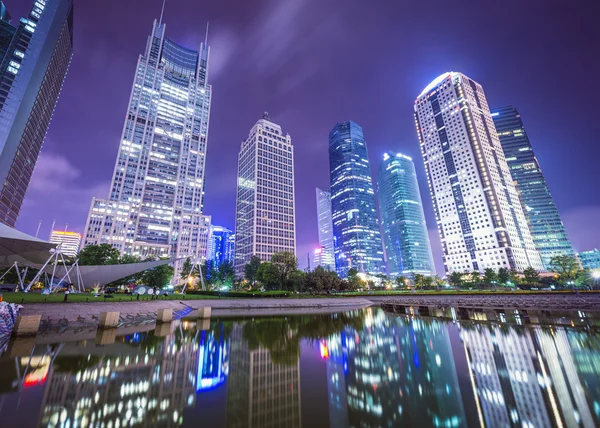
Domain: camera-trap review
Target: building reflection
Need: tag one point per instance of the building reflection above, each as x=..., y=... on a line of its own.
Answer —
x=213, y=358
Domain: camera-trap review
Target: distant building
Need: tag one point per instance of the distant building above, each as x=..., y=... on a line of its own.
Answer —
x=356, y=236
x=69, y=241
x=155, y=204
x=590, y=259
x=325, y=252
x=405, y=234
x=477, y=207
x=265, y=208
x=222, y=245
x=34, y=59
x=547, y=230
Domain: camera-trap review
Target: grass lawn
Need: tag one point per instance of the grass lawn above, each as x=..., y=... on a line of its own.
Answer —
x=87, y=297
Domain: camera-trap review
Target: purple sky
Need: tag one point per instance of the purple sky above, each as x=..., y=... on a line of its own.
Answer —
x=312, y=63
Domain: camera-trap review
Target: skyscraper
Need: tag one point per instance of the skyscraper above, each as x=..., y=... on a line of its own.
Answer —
x=34, y=59
x=477, y=208
x=590, y=259
x=69, y=241
x=547, y=230
x=405, y=233
x=265, y=208
x=222, y=244
x=156, y=196
x=356, y=236
x=326, y=254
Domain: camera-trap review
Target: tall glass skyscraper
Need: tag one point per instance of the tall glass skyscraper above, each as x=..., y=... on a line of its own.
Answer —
x=405, y=233
x=477, y=208
x=34, y=59
x=155, y=202
x=326, y=252
x=547, y=230
x=222, y=245
x=590, y=259
x=356, y=236
x=265, y=209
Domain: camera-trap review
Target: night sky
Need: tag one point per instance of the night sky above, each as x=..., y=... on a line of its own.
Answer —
x=312, y=63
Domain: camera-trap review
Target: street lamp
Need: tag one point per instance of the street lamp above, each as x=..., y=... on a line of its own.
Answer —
x=596, y=274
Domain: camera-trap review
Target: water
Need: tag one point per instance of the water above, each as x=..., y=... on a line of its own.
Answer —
x=364, y=369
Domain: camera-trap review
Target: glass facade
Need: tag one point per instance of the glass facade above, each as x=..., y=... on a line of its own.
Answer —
x=477, y=207
x=265, y=210
x=324, y=256
x=35, y=57
x=221, y=245
x=357, y=241
x=546, y=227
x=590, y=259
x=405, y=235
x=156, y=197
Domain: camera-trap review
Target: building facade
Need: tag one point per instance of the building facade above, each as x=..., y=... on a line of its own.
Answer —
x=405, y=235
x=222, y=245
x=357, y=241
x=69, y=241
x=326, y=256
x=547, y=229
x=155, y=204
x=478, y=211
x=265, y=209
x=590, y=259
x=34, y=59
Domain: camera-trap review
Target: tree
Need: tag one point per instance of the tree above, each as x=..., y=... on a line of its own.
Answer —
x=354, y=281
x=476, y=277
x=251, y=269
x=566, y=267
x=419, y=280
x=428, y=281
x=103, y=254
x=321, y=279
x=503, y=275
x=186, y=268
x=531, y=276
x=226, y=273
x=401, y=281
x=158, y=276
x=297, y=280
x=490, y=276
x=456, y=279
x=268, y=275
x=285, y=262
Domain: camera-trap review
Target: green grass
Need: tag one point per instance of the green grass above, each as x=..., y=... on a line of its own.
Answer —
x=87, y=297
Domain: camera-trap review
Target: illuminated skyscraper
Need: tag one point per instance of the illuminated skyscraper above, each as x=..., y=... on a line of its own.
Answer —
x=265, y=209
x=405, y=233
x=590, y=259
x=34, y=59
x=222, y=245
x=357, y=240
x=547, y=229
x=69, y=241
x=477, y=208
x=326, y=257
x=156, y=196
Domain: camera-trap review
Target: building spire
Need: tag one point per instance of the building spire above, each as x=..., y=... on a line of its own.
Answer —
x=162, y=12
x=206, y=37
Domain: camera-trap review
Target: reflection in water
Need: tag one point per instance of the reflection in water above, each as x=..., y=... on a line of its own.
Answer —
x=375, y=368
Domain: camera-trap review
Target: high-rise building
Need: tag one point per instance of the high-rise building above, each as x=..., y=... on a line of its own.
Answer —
x=34, y=59
x=222, y=244
x=356, y=236
x=547, y=229
x=326, y=257
x=69, y=241
x=265, y=208
x=477, y=208
x=590, y=259
x=156, y=197
x=405, y=235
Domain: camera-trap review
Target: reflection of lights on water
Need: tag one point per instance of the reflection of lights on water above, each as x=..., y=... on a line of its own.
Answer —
x=324, y=350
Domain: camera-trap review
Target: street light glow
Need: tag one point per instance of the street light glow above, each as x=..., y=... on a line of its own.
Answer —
x=596, y=274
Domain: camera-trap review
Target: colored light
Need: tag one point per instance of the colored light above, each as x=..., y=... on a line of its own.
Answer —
x=324, y=351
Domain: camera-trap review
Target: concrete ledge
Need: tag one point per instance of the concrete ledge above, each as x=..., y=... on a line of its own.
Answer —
x=108, y=320
x=27, y=325
x=164, y=315
x=204, y=312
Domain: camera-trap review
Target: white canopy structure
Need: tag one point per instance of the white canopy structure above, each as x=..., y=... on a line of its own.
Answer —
x=24, y=249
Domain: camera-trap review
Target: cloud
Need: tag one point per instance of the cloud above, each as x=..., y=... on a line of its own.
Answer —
x=583, y=227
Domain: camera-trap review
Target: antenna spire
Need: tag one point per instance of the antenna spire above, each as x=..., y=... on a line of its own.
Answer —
x=162, y=12
x=206, y=37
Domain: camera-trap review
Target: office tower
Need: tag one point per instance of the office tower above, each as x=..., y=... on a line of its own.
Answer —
x=357, y=241
x=221, y=245
x=265, y=208
x=405, y=233
x=547, y=230
x=34, y=59
x=477, y=208
x=590, y=259
x=325, y=252
x=155, y=203
x=69, y=241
